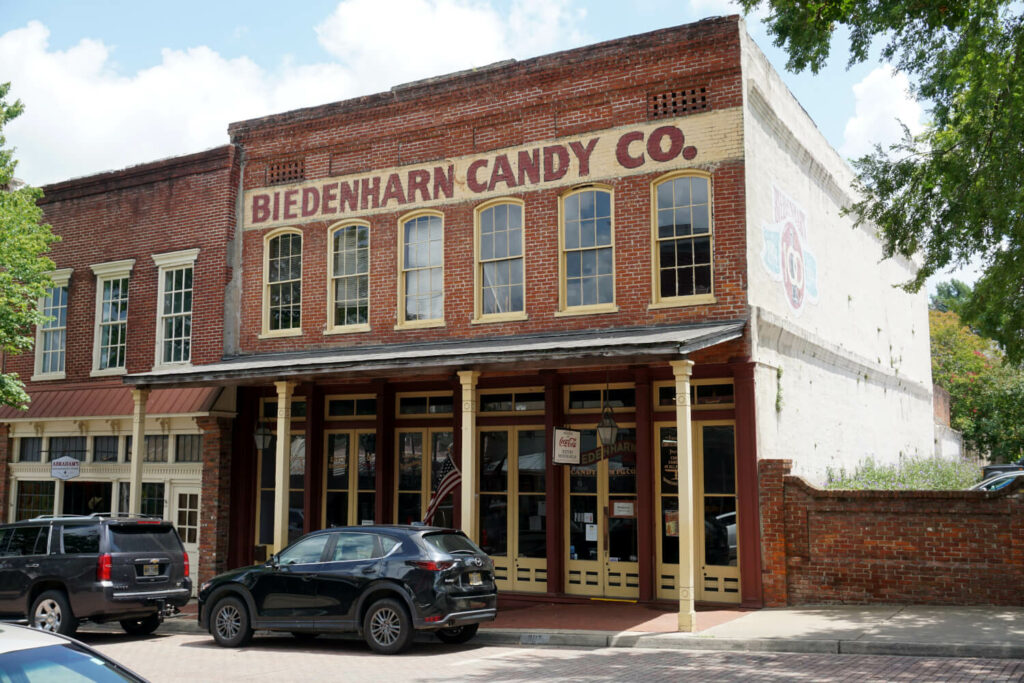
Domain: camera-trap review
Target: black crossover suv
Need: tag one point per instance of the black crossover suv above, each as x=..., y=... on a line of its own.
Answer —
x=58, y=571
x=384, y=582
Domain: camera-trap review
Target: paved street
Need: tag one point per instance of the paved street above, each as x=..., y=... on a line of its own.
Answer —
x=165, y=658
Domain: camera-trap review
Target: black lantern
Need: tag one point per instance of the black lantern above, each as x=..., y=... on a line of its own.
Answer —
x=262, y=436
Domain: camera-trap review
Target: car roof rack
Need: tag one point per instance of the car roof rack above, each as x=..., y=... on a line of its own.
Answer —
x=122, y=515
x=45, y=517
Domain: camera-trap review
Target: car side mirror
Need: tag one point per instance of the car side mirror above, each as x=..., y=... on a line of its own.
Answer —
x=274, y=561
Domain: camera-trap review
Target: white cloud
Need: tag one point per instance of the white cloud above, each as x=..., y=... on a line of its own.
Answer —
x=83, y=116
x=883, y=102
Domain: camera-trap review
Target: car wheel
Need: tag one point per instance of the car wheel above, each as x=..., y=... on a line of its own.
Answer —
x=51, y=612
x=141, y=627
x=387, y=627
x=304, y=635
x=229, y=623
x=458, y=634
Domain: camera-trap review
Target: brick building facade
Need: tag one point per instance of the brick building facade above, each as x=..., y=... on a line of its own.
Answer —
x=643, y=234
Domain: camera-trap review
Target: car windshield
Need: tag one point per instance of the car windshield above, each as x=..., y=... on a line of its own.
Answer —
x=453, y=543
x=144, y=539
x=67, y=663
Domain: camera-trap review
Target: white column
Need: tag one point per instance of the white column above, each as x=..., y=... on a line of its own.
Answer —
x=682, y=369
x=282, y=457
x=139, y=396
x=470, y=499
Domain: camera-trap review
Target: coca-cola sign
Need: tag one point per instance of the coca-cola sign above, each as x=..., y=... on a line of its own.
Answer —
x=566, y=447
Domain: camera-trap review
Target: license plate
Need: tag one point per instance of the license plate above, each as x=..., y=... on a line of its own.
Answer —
x=151, y=569
x=474, y=579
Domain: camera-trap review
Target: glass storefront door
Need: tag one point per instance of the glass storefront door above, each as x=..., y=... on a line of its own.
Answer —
x=350, y=477
x=714, y=454
x=601, y=524
x=513, y=509
x=420, y=454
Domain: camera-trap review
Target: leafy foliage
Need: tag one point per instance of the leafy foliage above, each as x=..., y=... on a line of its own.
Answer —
x=24, y=241
x=986, y=393
x=911, y=474
x=952, y=192
x=951, y=296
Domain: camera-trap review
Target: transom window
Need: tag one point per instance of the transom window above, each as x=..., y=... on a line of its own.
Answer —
x=176, y=315
x=423, y=269
x=501, y=259
x=588, y=258
x=683, y=237
x=113, y=327
x=350, y=286
x=284, y=282
x=53, y=335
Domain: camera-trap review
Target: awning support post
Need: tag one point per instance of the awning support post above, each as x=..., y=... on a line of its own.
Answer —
x=139, y=397
x=282, y=463
x=683, y=369
x=470, y=501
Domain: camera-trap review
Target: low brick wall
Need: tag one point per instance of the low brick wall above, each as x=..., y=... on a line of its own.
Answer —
x=861, y=547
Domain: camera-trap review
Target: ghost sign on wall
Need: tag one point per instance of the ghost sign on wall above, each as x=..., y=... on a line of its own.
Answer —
x=786, y=254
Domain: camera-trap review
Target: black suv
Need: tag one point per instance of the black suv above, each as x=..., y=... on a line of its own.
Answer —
x=58, y=571
x=384, y=582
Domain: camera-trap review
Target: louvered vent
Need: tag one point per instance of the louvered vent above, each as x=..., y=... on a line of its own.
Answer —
x=286, y=171
x=665, y=105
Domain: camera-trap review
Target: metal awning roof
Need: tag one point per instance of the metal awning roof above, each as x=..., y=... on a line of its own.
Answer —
x=440, y=356
x=115, y=401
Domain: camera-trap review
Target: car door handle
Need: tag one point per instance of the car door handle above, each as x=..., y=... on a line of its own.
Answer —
x=369, y=570
x=34, y=565
x=307, y=577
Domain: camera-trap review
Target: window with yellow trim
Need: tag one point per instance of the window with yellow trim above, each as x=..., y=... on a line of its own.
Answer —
x=422, y=285
x=500, y=259
x=350, y=276
x=283, y=279
x=682, y=237
x=588, y=260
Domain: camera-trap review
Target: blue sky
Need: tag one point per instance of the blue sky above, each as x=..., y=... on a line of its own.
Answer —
x=112, y=83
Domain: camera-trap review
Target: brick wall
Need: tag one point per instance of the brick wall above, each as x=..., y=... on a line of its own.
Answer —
x=862, y=547
x=215, y=499
x=525, y=103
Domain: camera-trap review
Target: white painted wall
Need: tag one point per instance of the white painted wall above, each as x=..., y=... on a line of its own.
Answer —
x=854, y=350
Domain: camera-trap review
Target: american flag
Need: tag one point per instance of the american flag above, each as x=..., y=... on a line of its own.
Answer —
x=447, y=477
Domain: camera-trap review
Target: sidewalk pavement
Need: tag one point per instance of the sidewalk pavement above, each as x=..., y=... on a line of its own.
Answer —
x=925, y=631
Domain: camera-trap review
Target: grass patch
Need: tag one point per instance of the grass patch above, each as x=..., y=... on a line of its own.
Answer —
x=909, y=474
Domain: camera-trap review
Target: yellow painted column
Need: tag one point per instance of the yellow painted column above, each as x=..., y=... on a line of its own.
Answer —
x=139, y=397
x=282, y=458
x=683, y=369
x=470, y=498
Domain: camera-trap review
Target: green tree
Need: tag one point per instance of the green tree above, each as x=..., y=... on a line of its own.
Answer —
x=954, y=191
x=24, y=241
x=986, y=394
x=951, y=296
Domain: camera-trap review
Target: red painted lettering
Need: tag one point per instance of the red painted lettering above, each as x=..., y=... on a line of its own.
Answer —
x=556, y=162
x=291, y=199
x=471, y=179
x=502, y=173
x=444, y=182
x=583, y=154
x=328, y=194
x=622, y=150
x=349, y=196
x=371, y=185
x=393, y=190
x=310, y=201
x=529, y=166
x=418, y=181
x=277, y=196
x=658, y=151
x=260, y=207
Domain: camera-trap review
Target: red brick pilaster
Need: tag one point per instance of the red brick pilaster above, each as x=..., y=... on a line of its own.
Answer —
x=773, y=531
x=215, y=517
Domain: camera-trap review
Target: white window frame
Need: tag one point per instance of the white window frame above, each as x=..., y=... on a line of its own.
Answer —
x=61, y=279
x=333, y=326
x=291, y=331
x=174, y=260
x=403, y=322
x=112, y=270
x=480, y=262
x=564, y=309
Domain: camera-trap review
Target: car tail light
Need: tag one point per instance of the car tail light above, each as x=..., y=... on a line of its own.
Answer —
x=186, y=564
x=432, y=566
x=103, y=565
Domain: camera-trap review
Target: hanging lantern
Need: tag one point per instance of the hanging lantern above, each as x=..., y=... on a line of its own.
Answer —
x=607, y=429
x=262, y=436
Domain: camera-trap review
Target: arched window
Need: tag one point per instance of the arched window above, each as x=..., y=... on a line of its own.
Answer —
x=500, y=291
x=422, y=269
x=283, y=282
x=682, y=238
x=350, y=277
x=588, y=257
